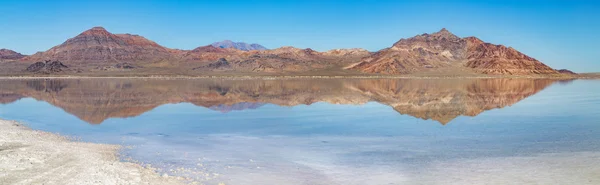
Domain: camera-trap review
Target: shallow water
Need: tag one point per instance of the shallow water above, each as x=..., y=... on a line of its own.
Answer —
x=330, y=131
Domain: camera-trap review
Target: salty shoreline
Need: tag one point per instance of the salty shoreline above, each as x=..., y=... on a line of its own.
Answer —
x=297, y=77
x=35, y=157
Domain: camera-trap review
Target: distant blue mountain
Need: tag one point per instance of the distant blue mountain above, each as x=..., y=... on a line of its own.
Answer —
x=238, y=45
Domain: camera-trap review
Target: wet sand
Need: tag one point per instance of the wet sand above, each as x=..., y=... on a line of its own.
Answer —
x=35, y=157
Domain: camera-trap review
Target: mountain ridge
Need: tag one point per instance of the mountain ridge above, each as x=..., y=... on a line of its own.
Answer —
x=7, y=54
x=424, y=53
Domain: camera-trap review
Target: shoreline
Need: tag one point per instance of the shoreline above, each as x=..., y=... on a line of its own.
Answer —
x=29, y=156
x=296, y=77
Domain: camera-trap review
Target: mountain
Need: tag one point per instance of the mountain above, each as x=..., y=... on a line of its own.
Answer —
x=429, y=52
x=6, y=54
x=99, y=45
x=238, y=45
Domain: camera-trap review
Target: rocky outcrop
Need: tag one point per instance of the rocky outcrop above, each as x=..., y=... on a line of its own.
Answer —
x=566, y=71
x=238, y=45
x=124, y=66
x=6, y=54
x=47, y=67
x=444, y=49
x=221, y=64
x=99, y=45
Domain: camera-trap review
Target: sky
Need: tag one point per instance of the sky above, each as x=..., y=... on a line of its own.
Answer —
x=562, y=34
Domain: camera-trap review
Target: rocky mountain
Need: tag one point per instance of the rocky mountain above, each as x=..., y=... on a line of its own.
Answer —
x=99, y=45
x=47, y=67
x=6, y=54
x=443, y=49
x=238, y=45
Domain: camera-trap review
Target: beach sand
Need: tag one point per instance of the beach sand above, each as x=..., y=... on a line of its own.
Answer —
x=35, y=157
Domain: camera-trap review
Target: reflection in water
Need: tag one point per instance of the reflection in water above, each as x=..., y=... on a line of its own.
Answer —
x=95, y=100
x=547, y=137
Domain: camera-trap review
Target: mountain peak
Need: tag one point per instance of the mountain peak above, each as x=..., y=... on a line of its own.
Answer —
x=96, y=31
x=98, y=28
x=238, y=45
x=444, y=33
x=10, y=54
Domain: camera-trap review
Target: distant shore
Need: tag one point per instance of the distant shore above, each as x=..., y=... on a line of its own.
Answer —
x=297, y=77
x=36, y=157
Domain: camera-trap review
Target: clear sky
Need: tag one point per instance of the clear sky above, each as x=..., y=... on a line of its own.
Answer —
x=562, y=34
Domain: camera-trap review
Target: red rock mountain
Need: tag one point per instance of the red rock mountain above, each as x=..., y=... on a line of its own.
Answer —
x=6, y=54
x=283, y=59
x=444, y=49
x=99, y=45
x=427, y=52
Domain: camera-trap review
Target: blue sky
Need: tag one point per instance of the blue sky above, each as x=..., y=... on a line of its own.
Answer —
x=562, y=34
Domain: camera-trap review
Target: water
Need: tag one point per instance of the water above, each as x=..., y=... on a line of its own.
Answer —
x=329, y=131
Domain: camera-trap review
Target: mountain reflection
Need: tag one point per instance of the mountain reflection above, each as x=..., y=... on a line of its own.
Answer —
x=95, y=100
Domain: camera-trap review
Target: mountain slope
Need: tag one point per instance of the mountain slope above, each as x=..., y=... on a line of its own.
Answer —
x=99, y=45
x=498, y=59
x=6, y=54
x=443, y=49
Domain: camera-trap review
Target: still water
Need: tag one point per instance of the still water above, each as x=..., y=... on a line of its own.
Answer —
x=330, y=131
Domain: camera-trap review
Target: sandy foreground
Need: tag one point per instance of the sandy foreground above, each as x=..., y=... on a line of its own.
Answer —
x=35, y=157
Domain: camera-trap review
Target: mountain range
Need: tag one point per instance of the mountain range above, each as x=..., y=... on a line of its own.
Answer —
x=97, y=51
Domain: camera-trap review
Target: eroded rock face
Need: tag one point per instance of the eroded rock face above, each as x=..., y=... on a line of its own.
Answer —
x=6, y=54
x=444, y=49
